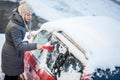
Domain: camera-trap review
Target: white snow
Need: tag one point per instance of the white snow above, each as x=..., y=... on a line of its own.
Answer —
x=2, y=39
x=65, y=76
x=57, y=9
x=93, y=33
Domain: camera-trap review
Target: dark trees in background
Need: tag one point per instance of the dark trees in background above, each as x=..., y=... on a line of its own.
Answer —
x=6, y=8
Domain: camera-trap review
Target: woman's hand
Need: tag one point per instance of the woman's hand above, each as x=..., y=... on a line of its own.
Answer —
x=39, y=47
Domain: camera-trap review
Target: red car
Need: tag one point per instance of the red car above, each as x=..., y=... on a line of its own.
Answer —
x=51, y=65
x=79, y=45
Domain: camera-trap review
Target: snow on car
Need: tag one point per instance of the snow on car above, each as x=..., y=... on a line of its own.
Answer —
x=83, y=48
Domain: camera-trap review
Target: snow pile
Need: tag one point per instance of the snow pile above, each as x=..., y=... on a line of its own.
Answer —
x=2, y=37
x=52, y=10
x=2, y=76
x=103, y=44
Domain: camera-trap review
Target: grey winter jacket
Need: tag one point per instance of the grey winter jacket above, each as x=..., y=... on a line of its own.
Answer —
x=14, y=47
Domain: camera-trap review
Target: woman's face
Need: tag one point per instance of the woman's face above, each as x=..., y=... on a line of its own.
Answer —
x=28, y=17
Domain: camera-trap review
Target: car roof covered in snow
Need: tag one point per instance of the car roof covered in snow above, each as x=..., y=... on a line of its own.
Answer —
x=98, y=34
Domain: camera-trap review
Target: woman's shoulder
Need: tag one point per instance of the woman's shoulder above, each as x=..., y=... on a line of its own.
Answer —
x=11, y=27
x=18, y=27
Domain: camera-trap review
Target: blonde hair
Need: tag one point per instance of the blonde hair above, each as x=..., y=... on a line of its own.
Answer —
x=24, y=8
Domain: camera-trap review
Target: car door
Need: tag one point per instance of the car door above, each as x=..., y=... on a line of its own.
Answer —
x=60, y=62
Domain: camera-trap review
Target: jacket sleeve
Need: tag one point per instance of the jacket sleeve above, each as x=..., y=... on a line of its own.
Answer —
x=17, y=37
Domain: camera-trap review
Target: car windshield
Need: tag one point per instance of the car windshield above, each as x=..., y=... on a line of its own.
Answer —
x=58, y=61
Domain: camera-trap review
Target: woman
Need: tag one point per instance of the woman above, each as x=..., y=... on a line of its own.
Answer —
x=14, y=46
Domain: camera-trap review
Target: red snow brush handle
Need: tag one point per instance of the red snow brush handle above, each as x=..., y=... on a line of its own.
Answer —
x=49, y=48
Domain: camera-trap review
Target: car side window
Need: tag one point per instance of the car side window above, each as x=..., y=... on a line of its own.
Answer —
x=42, y=38
x=65, y=62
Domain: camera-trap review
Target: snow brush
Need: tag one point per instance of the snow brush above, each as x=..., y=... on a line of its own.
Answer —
x=49, y=48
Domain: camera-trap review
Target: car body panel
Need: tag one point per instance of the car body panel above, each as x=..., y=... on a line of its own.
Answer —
x=32, y=69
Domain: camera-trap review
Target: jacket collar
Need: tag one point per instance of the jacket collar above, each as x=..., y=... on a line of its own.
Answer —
x=16, y=18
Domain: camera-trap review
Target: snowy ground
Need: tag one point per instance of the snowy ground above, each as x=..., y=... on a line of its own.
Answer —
x=2, y=39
